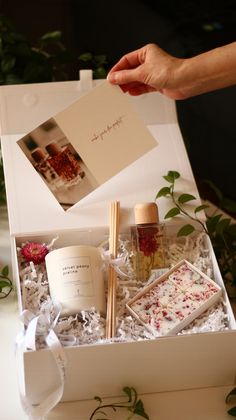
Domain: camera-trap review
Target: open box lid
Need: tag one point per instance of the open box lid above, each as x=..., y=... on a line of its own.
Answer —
x=31, y=206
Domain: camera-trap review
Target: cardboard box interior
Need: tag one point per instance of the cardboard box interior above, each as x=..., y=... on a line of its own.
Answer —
x=163, y=364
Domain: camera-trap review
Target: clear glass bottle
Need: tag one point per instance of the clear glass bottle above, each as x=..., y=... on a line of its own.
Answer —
x=64, y=162
x=148, y=240
x=43, y=167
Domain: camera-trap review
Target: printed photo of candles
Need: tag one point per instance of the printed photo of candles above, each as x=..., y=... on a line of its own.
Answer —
x=58, y=163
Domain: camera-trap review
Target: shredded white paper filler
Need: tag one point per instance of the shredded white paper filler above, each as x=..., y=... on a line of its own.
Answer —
x=88, y=327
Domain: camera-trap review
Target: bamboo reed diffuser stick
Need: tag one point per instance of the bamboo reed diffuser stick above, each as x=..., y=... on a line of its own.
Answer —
x=114, y=210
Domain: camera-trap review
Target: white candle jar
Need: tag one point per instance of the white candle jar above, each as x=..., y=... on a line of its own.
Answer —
x=75, y=278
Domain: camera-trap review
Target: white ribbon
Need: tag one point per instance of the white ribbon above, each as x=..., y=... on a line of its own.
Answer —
x=41, y=325
x=115, y=262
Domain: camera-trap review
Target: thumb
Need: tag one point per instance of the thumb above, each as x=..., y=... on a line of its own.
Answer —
x=122, y=77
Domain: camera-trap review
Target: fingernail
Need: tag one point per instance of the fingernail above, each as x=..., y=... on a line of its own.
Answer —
x=112, y=77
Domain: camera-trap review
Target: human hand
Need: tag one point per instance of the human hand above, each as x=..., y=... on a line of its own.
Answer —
x=148, y=69
x=151, y=69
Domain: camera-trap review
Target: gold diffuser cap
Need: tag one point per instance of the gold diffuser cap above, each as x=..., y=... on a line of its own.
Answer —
x=146, y=213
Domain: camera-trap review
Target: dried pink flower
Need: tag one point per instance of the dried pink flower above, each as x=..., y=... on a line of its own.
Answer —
x=35, y=252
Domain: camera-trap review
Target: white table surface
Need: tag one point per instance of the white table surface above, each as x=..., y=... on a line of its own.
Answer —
x=200, y=404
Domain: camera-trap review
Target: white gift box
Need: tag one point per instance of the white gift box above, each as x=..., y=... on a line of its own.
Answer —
x=166, y=364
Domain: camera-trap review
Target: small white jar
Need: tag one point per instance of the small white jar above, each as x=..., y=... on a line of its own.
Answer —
x=75, y=278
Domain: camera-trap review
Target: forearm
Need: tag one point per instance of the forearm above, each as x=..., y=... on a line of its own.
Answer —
x=152, y=69
x=209, y=71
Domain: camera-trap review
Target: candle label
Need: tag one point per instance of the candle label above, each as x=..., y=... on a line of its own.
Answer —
x=75, y=274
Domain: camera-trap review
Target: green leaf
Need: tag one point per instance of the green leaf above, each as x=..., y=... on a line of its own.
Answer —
x=5, y=271
x=12, y=79
x=222, y=225
x=171, y=176
x=184, y=198
x=97, y=398
x=174, y=174
x=128, y=391
x=86, y=57
x=100, y=59
x=163, y=192
x=212, y=222
x=4, y=284
x=7, y=63
x=168, y=179
x=49, y=37
x=186, y=230
x=200, y=208
x=232, y=393
x=232, y=411
x=99, y=73
x=139, y=410
x=172, y=213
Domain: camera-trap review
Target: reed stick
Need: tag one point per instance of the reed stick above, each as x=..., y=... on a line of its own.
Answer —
x=114, y=210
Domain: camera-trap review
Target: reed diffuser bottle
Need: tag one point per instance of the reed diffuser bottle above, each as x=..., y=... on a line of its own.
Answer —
x=42, y=166
x=148, y=240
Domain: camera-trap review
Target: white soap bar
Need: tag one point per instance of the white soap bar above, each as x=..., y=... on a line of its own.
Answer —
x=174, y=300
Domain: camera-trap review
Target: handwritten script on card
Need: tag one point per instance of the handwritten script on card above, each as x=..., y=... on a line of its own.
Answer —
x=113, y=126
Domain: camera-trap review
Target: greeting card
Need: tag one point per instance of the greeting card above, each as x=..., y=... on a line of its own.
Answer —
x=86, y=144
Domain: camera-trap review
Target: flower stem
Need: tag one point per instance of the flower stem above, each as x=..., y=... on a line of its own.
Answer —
x=101, y=407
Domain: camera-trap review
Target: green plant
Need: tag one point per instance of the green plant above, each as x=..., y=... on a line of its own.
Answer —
x=96, y=62
x=133, y=405
x=209, y=189
x=48, y=60
x=5, y=283
x=231, y=394
x=221, y=230
x=21, y=62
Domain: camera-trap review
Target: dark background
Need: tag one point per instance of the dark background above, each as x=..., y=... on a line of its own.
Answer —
x=183, y=28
